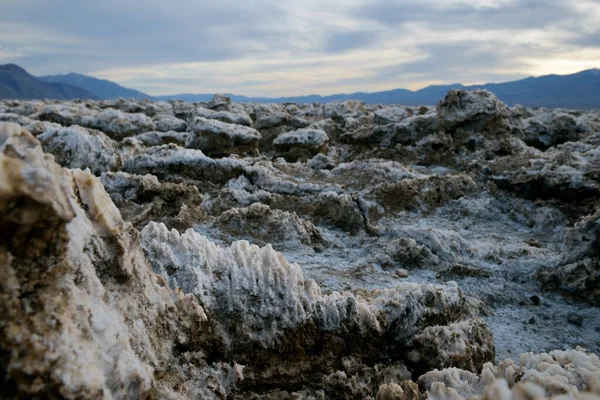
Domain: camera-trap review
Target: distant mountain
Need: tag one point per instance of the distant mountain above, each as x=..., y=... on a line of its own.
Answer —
x=580, y=90
x=102, y=88
x=16, y=83
x=387, y=97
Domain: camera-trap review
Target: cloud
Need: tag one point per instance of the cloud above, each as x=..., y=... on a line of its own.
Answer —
x=286, y=47
x=500, y=14
x=352, y=40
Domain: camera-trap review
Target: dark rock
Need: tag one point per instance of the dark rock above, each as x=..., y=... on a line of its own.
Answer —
x=575, y=319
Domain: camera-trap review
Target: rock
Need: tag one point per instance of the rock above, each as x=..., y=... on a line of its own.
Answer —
x=298, y=122
x=337, y=109
x=261, y=225
x=66, y=114
x=271, y=116
x=129, y=106
x=559, y=173
x=407, y=132
x=407, y=252
x=354, y=122
x=390, y=115
x=77, y=147
x=157, y=108
x=580, y=280
x=118, y=125
x=220, y=102
x=216, y=138
x=421, y=193
x=584, y=238
x=92, y=302
x=354, y=379
x=15, y=118
x=328, y=208
x=321, y=161
x=550, y=128
x=100, y=300
x=302, y=143
x=39, y=127
x=407, y=390
x=168, y=123
x=331, y=128
x=232, y=282
x=143, y=198
x=531, y=378
x=401, y=273
x=224, y=116
x=439, y=346
x=174, y=164
x=458, y=270
x=452, y=193
x=25, y=108
x=183, y=111
x=476, y=111
x=575, y=319
x=159, y=138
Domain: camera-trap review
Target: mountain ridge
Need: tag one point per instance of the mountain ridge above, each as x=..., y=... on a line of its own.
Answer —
x=580, y=90
x=102, y=88
x=16, y=83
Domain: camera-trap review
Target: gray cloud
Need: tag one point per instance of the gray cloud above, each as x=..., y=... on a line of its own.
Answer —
x=112, y=33
x=278, y=46
x=457, y=62
x=346, y=41
x=519, y=14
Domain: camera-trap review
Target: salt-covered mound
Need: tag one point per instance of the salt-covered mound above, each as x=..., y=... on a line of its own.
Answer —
x=119, y=125
x=224, y=116
x=77, y=147
x=271, y=116
x=302, y=143
x=84, y=315
x=143, y=198
x=220, y=102
x=174, y=163
x=263, y=225
x=168, y=123
x=547, y=128
x=217, y=138
x=66, y=114
x=390, y=115
x=560, y=374
x=478, y=110
x=154, y=138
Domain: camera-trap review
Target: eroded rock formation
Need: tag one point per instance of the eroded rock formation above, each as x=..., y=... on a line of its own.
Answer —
x=417, y=244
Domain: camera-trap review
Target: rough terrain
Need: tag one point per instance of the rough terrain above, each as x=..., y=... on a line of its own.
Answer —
x=217, y=250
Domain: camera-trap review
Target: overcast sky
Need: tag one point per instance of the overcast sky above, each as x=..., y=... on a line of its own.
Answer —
x=294, y=47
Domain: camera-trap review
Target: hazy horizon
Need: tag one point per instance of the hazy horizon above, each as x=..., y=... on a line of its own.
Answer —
x=283, y=48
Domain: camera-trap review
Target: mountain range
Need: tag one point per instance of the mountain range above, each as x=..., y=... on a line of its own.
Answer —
x=580, y=90
x=102, y=88
x=16, y=83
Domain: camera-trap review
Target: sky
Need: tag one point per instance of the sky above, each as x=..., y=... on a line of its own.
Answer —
x=297, y=47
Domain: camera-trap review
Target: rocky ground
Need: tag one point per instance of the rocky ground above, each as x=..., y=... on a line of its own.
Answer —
x=219, y=250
